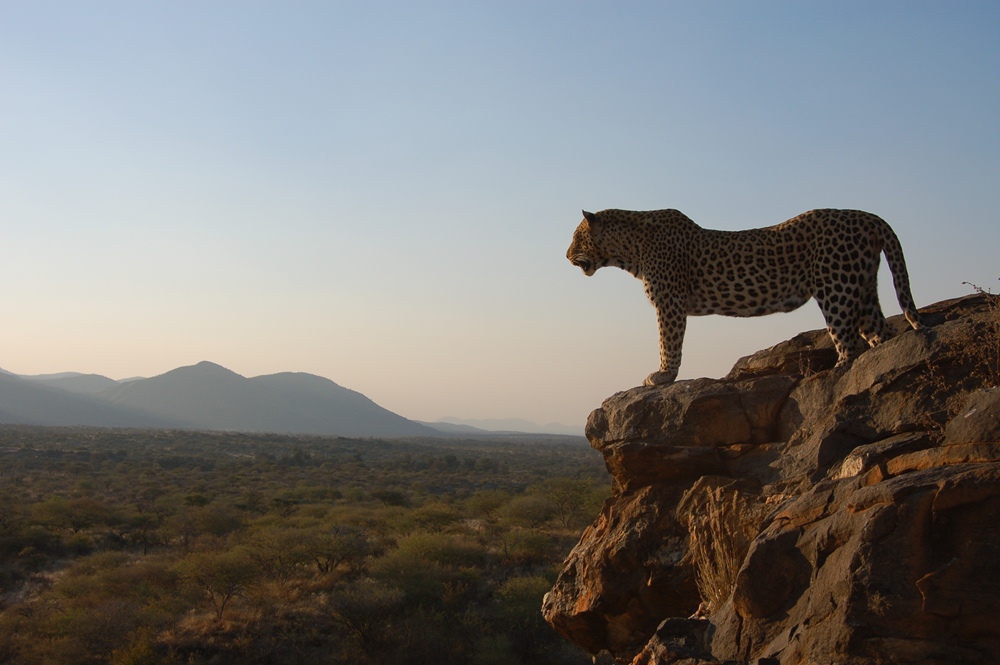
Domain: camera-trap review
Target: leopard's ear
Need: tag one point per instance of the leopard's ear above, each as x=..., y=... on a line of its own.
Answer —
x=589, y=216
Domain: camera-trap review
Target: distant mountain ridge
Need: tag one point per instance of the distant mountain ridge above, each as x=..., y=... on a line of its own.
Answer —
x=496, y=425
x=202, y=396
x=87, y=384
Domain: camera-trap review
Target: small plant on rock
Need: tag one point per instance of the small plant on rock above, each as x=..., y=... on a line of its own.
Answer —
x=984, y=349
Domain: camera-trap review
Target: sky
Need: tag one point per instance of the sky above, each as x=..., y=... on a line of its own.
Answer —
x=382, y=193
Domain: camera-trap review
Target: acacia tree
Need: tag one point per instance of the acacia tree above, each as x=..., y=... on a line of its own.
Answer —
x=279, y=552
x=13, y=514
x=517, y=602
x=142, y=528
x=486, y=504
x=349, y=546
x=568, y=497
x=74, y=515
x=529, y=511
x=364, y=608
x=221, y=576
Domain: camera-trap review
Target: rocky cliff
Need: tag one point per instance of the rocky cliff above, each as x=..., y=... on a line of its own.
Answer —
x=796, y=513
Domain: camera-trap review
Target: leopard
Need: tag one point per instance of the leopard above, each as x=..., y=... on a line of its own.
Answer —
x=828, y=254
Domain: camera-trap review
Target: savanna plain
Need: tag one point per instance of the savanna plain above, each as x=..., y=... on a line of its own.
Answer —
x=138, y=547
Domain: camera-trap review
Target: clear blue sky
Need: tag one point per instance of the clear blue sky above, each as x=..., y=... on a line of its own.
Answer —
x=382, y=193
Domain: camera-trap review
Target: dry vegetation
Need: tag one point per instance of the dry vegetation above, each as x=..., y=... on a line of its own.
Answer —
x=143, y=547
x=983, y=352
x=969, y=363
x=720, y=534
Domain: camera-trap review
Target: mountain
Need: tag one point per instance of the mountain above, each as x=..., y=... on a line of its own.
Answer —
x=202, y=396
x=209, y=396
x=27, y=402
x=206, y=396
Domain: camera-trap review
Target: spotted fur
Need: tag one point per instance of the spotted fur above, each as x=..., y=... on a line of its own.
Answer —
x=829, y=255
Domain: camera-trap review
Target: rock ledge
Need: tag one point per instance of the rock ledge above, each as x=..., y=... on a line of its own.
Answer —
x=796, y=513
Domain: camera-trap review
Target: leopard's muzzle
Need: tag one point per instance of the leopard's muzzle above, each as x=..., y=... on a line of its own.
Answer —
x=584, y=263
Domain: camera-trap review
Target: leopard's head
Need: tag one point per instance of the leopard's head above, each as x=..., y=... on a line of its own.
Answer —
x=582, y=252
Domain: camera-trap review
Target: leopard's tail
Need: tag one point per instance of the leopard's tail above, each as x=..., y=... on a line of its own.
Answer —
x=897, y=264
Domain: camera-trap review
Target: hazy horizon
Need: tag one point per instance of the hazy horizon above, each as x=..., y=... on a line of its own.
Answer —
x=382, y=194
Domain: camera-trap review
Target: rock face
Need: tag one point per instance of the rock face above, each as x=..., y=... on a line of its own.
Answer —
x=796, y=513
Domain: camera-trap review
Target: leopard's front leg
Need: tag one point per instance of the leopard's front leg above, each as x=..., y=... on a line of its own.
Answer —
x=672, y=322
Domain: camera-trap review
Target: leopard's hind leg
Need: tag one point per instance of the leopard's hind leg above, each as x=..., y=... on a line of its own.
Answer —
x=843, y=322
x=873, y=326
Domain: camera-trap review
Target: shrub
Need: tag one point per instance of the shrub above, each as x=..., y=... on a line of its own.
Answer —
x=983, y=351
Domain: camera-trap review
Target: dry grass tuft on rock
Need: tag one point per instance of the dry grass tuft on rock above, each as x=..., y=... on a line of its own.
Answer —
x=720, y=539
